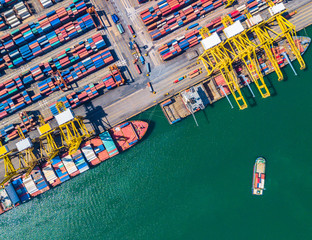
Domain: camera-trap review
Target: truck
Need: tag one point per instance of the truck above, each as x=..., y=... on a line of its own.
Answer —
x=142, y=59
x=192, y=26
x=148, y=69
x=115, y=18
x=138, y=68
x=150, y=87
x=120, y=28
x=131, y=30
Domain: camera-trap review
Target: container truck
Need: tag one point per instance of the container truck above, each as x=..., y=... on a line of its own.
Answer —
x=120, y=28
x=192, y=26
x=150, y=87
x=138, y=68
x=142, y=60
x=115, y=18
x=131, y=30
x=148, y=69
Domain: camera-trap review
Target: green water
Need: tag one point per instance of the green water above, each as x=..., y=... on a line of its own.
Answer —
x=188, y=182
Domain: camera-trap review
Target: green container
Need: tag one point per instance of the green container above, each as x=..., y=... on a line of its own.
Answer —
x=12, y=91
x=56, y=43
x=15, y=31
x=63, y=55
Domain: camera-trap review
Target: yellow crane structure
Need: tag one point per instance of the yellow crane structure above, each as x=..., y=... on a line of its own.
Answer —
x=288, y=30
x=257, y=26
x=72, y=128
x=216, y=58
x=47, y=142
x=25, y=151
x=229, y=3
x=242, y=49
x=9, y=170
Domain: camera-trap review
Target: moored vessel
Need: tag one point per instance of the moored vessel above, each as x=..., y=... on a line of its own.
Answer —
x=64, y=167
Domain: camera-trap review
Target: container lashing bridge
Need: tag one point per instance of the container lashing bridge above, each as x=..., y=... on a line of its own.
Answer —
x=72, y=128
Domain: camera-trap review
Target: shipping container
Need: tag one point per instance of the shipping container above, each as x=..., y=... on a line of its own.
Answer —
x=120, y=28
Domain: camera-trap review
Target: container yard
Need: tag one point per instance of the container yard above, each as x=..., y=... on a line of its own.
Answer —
x=70, y=61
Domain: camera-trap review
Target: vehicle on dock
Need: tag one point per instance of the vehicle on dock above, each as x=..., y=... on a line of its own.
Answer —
x=131, y=31
x=150, y=87
x=115, y=18
x=91, y=153
x=120, y=28
x=258, y=176
x=148, y=69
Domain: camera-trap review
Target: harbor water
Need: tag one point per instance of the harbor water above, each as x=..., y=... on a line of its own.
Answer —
x=189, y=182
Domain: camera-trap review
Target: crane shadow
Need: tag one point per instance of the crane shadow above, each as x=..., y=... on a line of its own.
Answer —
x=96, y=117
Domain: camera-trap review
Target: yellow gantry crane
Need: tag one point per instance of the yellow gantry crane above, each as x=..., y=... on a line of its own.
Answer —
x=256, y=26
x=242, y=49
x=9, y=169
x=72, y=128
x=288, y=30
x=47, y=142
x=215, y=58
x=25, y=152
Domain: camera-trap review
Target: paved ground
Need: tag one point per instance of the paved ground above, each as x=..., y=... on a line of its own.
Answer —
x=126, y=101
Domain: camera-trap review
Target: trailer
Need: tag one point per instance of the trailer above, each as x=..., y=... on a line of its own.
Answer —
x=120, y=28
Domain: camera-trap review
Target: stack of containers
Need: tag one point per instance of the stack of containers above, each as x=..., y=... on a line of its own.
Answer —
x=50, y=175
x=12, y=194
x=142, y=1
x=80, y=161
x=45, y=25
x=14, y=103
x=46, y=3
x=21, y=10
x=219, y=80
x=99, y=149
x=59, y=169
x=192, y=38
x=162, y=9
x=37, y=73
x=53, y=108
x=90, y=155
x=5, y=203
x=6, y=3
x=11, y=18
x=109, y=144
x=30, y=186
x=87, y=66
x=85, y=48
x=46, y=87
x=20, y=189
x=109, y=82
x=6, y=130
x=2, y=23
x=39, y=180
x=70, y=165
x=182, y=17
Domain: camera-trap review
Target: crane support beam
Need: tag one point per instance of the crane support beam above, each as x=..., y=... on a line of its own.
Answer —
x=240, y=48
x=288, y=31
